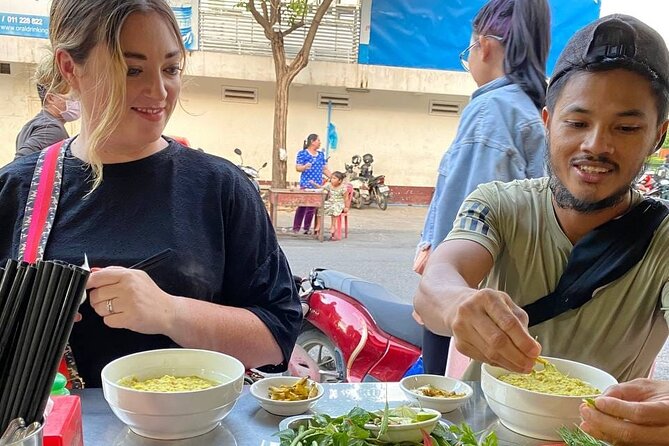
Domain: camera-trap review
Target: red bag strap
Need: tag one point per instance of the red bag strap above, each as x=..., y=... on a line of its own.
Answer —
x=42, y=202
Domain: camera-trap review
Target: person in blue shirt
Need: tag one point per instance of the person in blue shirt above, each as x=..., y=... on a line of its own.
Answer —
x=500, y=135
x=312, y=164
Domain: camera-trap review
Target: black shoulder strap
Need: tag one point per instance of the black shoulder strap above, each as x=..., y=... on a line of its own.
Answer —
x=605, y=254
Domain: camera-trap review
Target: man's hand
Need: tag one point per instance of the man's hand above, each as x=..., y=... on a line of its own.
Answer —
x=632, y=413
x=489, y=327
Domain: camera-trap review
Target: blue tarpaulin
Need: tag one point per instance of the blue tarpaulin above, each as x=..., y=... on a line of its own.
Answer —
x=432, y=33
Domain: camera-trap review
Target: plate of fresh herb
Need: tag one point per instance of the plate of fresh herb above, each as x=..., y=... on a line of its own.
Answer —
x=360, y=427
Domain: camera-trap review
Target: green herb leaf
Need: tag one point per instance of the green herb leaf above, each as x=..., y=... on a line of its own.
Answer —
x=384, y=421
x=577, y=437
x=590, y=402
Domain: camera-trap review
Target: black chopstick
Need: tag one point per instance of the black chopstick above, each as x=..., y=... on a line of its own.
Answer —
x=52, y=302
x=22, y=290
x=64, y=329
x=29, y=321
x=8, y=273
x=150, y=262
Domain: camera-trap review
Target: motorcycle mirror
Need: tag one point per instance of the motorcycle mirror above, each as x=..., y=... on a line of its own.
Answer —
x=238, y=152
x=263, y=166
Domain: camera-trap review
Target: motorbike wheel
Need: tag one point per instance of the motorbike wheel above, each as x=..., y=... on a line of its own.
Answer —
x=382, y=201
x=356, y=199
x=322, y=350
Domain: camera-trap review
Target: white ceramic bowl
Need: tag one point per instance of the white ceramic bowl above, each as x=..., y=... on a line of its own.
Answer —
x=259, y=390
x=398, y=433
x=539, y=415
x=174, y=415
x=443, y=405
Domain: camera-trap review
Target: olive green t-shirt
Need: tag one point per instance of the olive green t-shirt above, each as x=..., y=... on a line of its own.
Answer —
x=621, y=329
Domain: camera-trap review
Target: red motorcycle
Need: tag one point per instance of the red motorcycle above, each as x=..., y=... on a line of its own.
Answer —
x=354, y=331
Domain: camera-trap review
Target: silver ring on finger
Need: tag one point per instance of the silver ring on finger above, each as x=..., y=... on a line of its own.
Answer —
x=110, y=307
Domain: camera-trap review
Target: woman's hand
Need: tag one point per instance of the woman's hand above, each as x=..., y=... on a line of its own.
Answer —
x=632, y=413
x=129, y=298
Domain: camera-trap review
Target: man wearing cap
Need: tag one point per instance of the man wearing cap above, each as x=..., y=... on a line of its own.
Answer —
x=575, y=265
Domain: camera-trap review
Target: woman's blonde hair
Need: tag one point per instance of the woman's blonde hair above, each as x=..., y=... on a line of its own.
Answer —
x=77, y=26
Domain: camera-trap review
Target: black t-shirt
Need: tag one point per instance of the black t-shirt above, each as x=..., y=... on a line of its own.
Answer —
x=224, y=249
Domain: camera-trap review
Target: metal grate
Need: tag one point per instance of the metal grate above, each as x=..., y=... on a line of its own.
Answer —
x=445, y=108
x=240, y=94
x=339, y=101
x=226, y=27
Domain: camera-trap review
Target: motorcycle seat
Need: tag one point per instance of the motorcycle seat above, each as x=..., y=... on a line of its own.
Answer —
x=389, y=312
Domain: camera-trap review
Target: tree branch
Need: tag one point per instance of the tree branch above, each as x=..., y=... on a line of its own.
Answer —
x=265, y=13
x=260, y=19
x=302, y=58
x=295, y=26
x=275, y=15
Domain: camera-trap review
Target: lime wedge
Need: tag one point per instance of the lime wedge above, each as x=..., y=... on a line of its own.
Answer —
x=424, y=416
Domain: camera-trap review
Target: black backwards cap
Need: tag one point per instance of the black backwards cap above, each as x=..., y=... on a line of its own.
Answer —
x=616, y=38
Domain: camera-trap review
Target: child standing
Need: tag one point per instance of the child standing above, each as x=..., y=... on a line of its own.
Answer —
x=335, y=204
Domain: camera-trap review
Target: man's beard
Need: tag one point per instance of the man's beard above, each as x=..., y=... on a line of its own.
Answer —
x=565, y=200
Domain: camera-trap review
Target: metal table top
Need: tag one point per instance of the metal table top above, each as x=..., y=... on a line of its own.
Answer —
x=250, y=425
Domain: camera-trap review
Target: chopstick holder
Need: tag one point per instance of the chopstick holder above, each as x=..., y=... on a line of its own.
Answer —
x=38, y=218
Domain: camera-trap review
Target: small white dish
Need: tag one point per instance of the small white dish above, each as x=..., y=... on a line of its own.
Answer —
x=398, y=433
x=260, y=391
x=443, y=405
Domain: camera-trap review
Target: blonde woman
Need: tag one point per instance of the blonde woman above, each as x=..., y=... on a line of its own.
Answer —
x=127, y=192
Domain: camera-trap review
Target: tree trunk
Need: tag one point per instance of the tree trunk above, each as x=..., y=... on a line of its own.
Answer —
x=280, y=167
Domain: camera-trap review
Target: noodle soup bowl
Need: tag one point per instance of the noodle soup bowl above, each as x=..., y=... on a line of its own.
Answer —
x=173, y=415
x=535, y=414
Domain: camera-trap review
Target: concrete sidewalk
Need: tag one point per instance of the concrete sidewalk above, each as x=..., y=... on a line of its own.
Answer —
x=380, y=248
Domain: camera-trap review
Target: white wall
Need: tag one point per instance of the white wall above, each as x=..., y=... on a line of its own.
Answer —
x=406, y=141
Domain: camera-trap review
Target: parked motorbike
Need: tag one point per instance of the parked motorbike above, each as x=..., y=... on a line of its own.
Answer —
x=655, y=184
x=251, y=172
x=367, y=188
x=355, y=331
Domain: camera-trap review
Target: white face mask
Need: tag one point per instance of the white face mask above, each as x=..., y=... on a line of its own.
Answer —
x=72, y=111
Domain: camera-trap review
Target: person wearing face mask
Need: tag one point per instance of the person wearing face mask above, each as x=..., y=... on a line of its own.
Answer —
x=47, y=127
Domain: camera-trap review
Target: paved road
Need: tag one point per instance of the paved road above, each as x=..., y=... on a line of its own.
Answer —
x=380, y=248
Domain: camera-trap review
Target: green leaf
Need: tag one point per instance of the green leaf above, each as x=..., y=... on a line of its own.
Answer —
x=590, y=402
x=340, y=439
x=359, y=416
x=355, y=431
x=384, y=421
x=577, y=437
x=404, y=411
x=490, y=440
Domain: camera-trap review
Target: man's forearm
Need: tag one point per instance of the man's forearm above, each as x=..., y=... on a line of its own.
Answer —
x=440, y=291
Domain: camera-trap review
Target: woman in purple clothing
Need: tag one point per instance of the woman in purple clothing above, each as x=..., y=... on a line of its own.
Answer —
x=312, y=164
